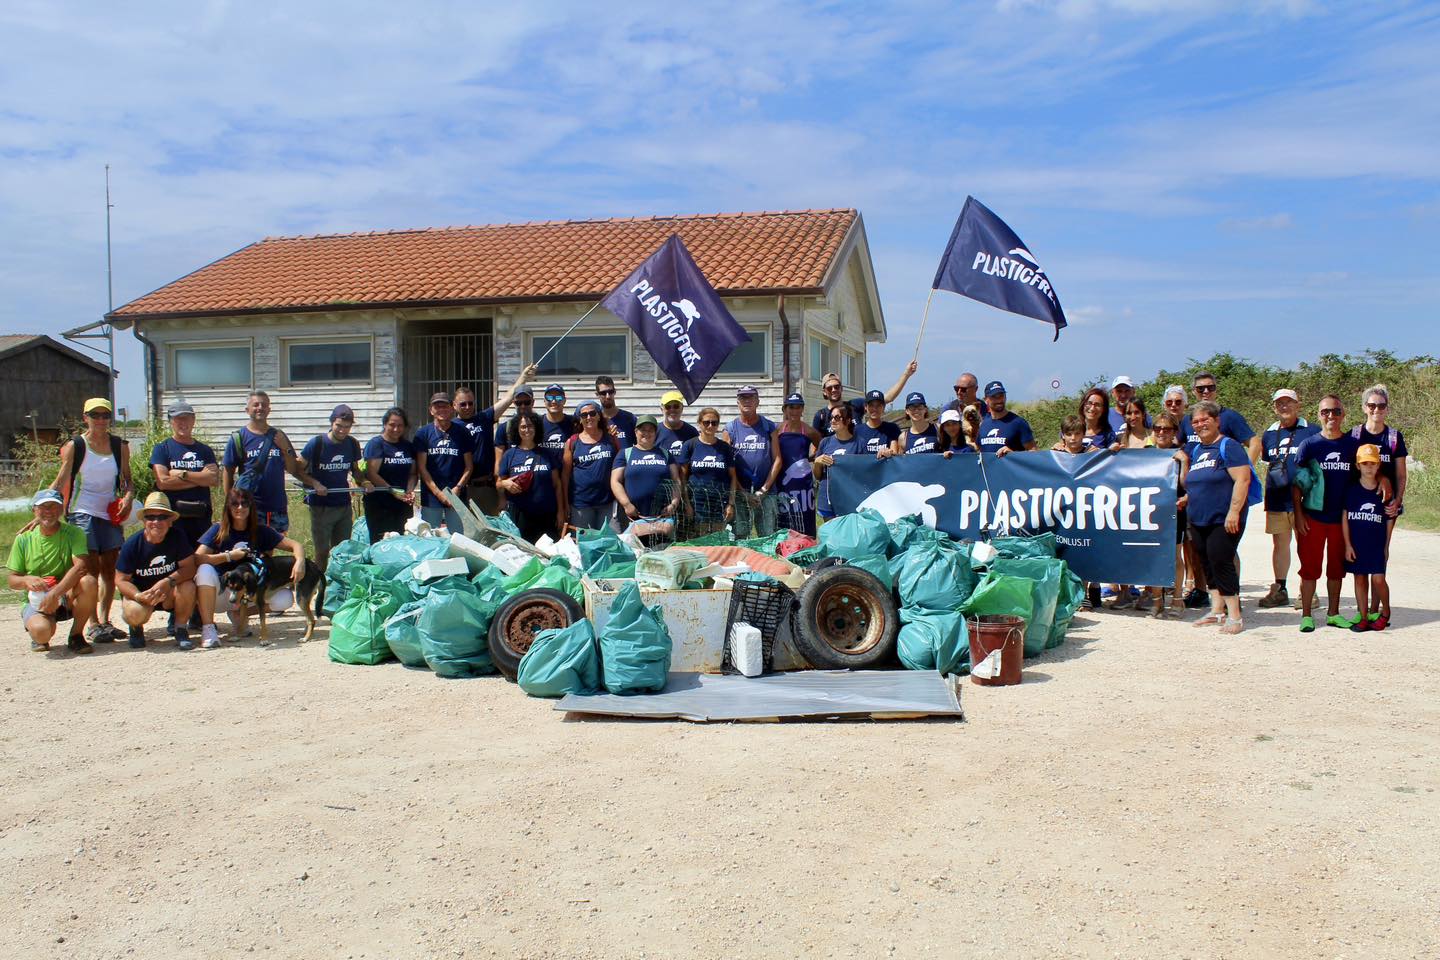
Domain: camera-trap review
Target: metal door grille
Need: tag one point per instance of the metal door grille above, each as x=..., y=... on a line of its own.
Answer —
x=436, y=362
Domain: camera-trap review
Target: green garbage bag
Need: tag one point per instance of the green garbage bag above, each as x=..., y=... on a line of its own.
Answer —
x=600, y=548
x=862, y=538
x=770, y=546
x=396, y=555
x=1001, y=595
x=635, y=646
x=343, y=558
x=932, y=576
x=453, y=628
x=803, y=558
x=360, y=532
x=618, y=570
x=357, y=631
x=490, y=583
x=932, y=640
x=1067, y=601
x=561, y=661
x=1046, y=575
x=402, y=634
x=502, y=522
x=720, y=538
x=1016, y=547
x=536, y=574
x=909, y=531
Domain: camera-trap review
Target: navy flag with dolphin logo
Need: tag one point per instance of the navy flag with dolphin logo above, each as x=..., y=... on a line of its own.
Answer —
x=986, y=261
x=678, y=316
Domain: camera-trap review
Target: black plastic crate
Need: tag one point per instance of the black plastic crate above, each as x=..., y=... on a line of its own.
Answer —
x=769, y=606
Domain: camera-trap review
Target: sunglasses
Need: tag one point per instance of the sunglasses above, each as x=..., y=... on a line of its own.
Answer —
x=524, y=401
x=149, y=519
x=587, y=414
x=465, y=403
x=604, y=393
x=709, y=423
x=1164, y=429
x=99, y=415
x=833, y=386
x=1376, y=406
x=1205, y=388
x=1331, y=412
x=838, y=416
x=239, y=506
x=554, y=398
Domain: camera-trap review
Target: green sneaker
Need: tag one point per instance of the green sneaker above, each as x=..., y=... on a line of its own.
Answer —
x=1339, y=621
x=1307, y=624
x=1374, y=616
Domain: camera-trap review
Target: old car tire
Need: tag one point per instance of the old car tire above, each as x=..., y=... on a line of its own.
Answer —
x=847, y=620
x=521, y=617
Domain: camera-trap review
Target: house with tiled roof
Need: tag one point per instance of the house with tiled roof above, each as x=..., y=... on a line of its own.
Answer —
x=376, y=319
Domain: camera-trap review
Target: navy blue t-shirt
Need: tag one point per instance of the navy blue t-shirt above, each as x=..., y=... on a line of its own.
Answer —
x=396, y=460
x=753, y=456
x=148, y=563
x=1209, y=484
x=266, y=539
x=872, y=439
x=821, y=420
x=709, y=463
x=1387, y=456
x=444, y=457
x=539, y=497
x=553, y=436
x=1280, y=445
x=645, y=471
x=925, y=442
x=192, y=457
x=1365, y=513
x=1232, y=425
x=330, y=463
x=624, y=423
x=1101, y=440
x=1335, y=459
x=837, y=448
x=591, y=464
x=673, y=441
x=270, y=497
x=482, y=429
x=1010, y=430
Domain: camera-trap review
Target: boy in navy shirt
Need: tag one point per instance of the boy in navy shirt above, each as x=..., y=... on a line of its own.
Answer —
x=1365, y=524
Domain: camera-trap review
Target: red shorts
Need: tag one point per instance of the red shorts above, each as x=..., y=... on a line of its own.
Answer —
x=1320, y=539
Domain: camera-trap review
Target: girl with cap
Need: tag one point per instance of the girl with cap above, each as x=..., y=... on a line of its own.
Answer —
x=953, y=438
x=877, y=435
x=841, y=442
x=921, y=436
x=95, y=481
x=645, y=480
x=585, y=479
x=1365, y=526
x=527, y=480
x=709, y=474
x=797, y=440
x=390, y=462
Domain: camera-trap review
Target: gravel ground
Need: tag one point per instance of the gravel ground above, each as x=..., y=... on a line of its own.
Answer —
x=1151, y=790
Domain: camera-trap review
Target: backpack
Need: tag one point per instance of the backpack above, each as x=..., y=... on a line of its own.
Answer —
x=1277, y=475
x=249, y=473
x=1255, y=494
x=116, y=445
x=1392, y=436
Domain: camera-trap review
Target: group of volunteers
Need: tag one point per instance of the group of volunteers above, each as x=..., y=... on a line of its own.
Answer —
x=597, y=465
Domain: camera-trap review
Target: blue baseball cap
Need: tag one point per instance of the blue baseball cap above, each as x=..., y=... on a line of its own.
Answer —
x=554, y=388
x=911, y=399
x=993, y=388
x=524, y=391
x=875, y=395
x=794, y=400
x=46, y=495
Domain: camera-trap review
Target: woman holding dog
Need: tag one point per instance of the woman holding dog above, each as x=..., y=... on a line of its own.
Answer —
x=240, y=537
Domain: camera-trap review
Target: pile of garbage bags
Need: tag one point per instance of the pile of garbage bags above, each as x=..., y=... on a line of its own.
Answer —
x=631, y=655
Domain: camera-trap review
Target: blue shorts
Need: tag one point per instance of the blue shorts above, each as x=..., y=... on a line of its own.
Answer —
x=101, y=536
x=279, y=522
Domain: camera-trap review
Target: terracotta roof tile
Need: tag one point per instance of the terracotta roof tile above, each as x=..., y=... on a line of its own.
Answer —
x=739, y=252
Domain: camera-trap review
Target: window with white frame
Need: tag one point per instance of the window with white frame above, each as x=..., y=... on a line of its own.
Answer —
x=852, y=370
x=332, y=360
x=583, y=355
x=211, y=364
x=824, y=358
x=750, y=359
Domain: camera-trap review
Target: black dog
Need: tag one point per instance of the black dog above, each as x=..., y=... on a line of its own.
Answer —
x=250, y=582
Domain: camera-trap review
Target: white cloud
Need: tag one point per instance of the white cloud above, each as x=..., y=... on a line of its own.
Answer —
x=1273, y=221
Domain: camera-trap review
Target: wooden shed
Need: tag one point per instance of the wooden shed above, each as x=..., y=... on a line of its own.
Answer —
x=43, y=386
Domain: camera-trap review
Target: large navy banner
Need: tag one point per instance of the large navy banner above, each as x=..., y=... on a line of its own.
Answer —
x=1113, y=514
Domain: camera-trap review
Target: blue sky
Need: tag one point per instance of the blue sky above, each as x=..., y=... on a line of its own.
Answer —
x=1195, y=175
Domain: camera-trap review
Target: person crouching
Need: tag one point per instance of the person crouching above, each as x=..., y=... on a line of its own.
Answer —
x=156, y=571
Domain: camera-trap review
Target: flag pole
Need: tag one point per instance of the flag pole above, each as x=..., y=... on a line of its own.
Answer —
x=568, y=332
x=923, y=317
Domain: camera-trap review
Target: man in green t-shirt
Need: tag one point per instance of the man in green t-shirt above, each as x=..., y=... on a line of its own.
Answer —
x=48, y=563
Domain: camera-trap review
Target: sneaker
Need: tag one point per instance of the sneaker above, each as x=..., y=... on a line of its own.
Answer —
x=79, y=644
x=137, y=638
x=182, y=639
x=1107, y=594
x=1277, y=597
x=1380, y=622
x=170, y=625
x=114, y=632
x=1361, y=626
x=1375, y=616
x=38, y=646
x=1340, y=621
x=209, y=637
x=100, y=633
x=1196, y=599
x=1307, y=624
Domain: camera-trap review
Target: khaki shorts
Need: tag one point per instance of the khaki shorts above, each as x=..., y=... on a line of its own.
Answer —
x=1280, y=522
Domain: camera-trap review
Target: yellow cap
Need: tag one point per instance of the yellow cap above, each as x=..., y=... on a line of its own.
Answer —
x=98, y=403
x=157, y=502
x=1368, y=453
x=672, y=396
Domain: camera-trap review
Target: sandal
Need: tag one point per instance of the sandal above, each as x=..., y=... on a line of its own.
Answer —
x=100, y=633
x=1233, y=625
x=37, y=646
x=1209, y=620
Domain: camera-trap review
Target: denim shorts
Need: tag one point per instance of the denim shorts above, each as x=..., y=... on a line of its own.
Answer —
x=101, y=535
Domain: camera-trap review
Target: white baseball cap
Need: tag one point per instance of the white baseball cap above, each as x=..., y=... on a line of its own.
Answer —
x=1285, y=394
x=950, y=416
x=1122, y=381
